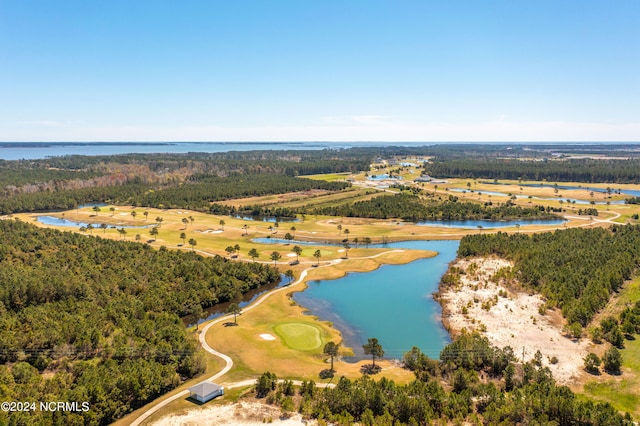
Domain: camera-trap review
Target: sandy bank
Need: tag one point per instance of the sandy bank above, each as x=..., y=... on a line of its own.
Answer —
x=477, y=302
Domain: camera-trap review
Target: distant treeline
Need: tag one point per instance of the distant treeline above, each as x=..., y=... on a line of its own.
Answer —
x=181, y=180
x=577, y=270
x=412, y=208
x=197, y=193
x=101, y=319
x=484, y=385
x=289, y=162
x=591, y=171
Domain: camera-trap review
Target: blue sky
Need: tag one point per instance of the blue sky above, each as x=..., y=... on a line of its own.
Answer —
x=329, y=70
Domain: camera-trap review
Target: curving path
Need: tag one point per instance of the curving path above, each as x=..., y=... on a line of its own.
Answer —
x=228, y=361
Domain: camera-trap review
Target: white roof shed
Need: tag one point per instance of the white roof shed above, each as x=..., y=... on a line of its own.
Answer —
x=205, y=391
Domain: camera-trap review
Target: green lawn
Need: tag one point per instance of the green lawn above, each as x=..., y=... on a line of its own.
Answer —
x=622, y=392
x=329, y=177
x=300, y=336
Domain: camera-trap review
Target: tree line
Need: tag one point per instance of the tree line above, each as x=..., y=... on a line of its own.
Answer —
x=413, y=208
x=582, y=170
x=195, y=194
x=473, y=382
x=199, y=191
x=98, y=320
x=576, y=270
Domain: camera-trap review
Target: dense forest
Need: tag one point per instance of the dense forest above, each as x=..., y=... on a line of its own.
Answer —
x=583, y=170
x=472, y=383
x=576, y=269
x=97, y=320
x=183, y=180
x=289, y=162
x=412, y=208
x=197, y=193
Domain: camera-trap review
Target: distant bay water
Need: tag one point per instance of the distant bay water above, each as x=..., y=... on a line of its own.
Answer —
x=40, y=150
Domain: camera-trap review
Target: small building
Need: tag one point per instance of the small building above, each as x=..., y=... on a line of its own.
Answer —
x=205, y=391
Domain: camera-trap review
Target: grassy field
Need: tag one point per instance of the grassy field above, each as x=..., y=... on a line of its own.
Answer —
x=330, y=177
x=623, y=392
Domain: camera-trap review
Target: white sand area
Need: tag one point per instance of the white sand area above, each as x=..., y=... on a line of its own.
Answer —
x=239, y=414
x=513, y=320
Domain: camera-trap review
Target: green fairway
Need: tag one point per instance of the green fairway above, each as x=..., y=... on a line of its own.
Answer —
x=620, y=391
x=300, y=336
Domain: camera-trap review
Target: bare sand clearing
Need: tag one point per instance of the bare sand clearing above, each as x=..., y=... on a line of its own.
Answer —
x=238, y=414
x=510, y=321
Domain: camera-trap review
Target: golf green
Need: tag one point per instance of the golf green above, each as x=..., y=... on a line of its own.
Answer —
x=301, y=336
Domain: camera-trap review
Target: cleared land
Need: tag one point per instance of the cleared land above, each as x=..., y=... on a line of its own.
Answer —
x=510, y=317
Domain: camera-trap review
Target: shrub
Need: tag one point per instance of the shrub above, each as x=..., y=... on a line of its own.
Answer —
x=612, y=361
x=592, y=363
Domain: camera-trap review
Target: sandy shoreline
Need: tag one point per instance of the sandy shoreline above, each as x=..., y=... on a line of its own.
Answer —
x=479, y=300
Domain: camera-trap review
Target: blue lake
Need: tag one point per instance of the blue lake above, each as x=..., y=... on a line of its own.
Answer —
x=383, y=177
x=57, y=221
x=635, y=193
x=265, y=240
x=567, y=200
x=272, y=219
x=632, y=192
x=488, y=224
x=394, y=303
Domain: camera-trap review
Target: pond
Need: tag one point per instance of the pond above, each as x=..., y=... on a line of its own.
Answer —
x=265, y=240
x=566, y=200
x=58, y=221
x=383, y=176
x=268, y=218
x=394, y=303
x=633, y=192
x=489, y=224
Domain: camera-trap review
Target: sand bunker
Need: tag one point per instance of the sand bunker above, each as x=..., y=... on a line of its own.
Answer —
x=267, y=337
x=210, y=231
x=291, y=255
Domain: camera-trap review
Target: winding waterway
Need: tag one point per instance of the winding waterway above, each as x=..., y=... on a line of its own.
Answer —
x=394, y=303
